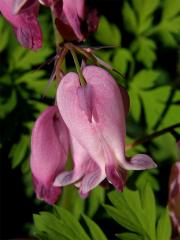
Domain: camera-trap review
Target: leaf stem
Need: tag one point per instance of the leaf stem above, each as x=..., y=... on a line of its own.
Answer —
x=152, y=136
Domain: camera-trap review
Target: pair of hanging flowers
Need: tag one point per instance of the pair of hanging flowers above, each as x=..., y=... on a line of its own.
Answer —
x=88, y=119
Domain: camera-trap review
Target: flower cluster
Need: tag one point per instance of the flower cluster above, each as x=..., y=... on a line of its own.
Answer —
x=88, y=121
x=73, y=19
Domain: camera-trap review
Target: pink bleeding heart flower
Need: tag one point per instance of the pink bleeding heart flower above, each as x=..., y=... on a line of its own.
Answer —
x=25, y=23
x=74, y=20
x=174, y=195
x=49, y=150
x=95, y=117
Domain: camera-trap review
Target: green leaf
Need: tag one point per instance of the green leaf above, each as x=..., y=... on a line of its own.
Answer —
x=173, y=113
x=170, y=9
x=143, y=80
x=24, y=59
x=131, y=201
x=144, y=9
x=35, y=81
x=19, y=150
x=8, y=105
x=95, y=231
x=130, y=214
x=72, y=201
x=164, y=226
x=144, y=48
x=61, y=224
x=129, y=236
x=129, y=17
x=96, y=198
x=154, y=99
x=160, y=150
x=71, y=223
x=149, y=205
x=4, y=34
x=48, y=224
x=169, y=27
x=107, y=33
x=134, y=211
x=122, y=218
x=121, y=60
x=148, y=177
x=167, y=38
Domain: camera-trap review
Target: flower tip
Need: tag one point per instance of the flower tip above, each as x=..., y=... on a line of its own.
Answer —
x=63, y=179
x=115, y=177
x=49, y=194
x=83, y=194
x=139, y=162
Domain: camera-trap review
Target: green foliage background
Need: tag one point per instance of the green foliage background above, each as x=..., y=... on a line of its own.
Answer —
x=145, y=39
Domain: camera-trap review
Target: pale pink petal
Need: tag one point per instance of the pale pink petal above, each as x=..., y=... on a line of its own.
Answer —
x=139, y=162
x=84, y=166
x=90, y=181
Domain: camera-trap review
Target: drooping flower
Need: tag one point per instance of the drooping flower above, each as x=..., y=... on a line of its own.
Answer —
x=74, y=20
x=49, y=149
x=95, y=117
x=25, y=23
x=174, y=195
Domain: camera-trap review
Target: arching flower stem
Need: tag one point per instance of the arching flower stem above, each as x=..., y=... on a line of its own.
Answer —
x=152, y=136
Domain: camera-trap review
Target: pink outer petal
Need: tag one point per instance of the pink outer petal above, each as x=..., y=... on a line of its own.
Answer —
x=25, y=24
x=49, y=149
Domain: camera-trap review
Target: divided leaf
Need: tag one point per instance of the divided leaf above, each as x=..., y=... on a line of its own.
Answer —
x=129, y=17
x=107, y=33
x=122, y=58
x=169, y=26
x=134, y=211
x=61, y=223
x=144, y=48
